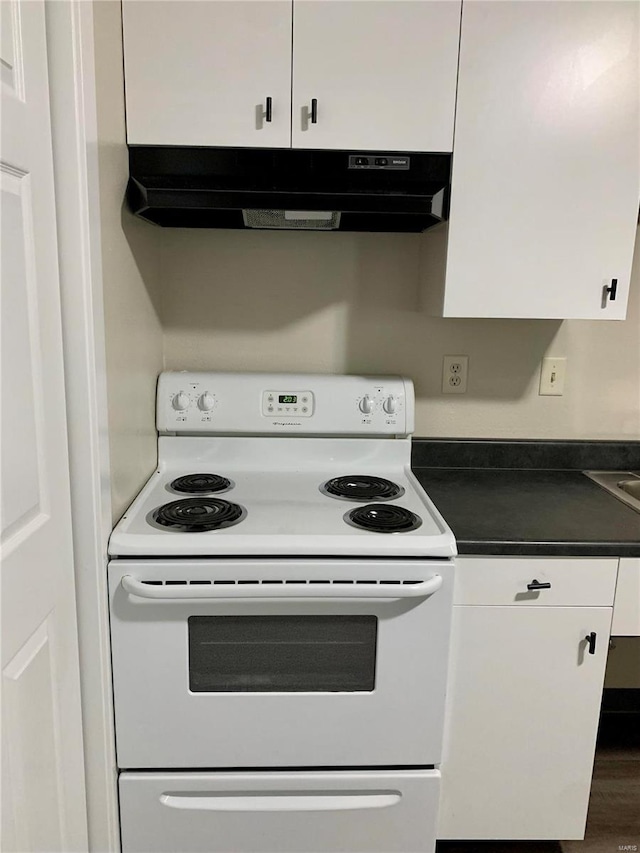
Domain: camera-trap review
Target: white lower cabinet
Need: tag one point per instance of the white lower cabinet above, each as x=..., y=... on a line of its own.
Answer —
x=626, y=610
x=523, y=702
x=279, y=812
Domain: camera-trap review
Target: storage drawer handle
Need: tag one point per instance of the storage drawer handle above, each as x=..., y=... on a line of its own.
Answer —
x=591, y=641
x=139, y=589
x=289, y=801
x=536, y=584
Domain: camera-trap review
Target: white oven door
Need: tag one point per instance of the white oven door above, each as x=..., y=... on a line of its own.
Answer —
x=358, y=812
x=279, y=663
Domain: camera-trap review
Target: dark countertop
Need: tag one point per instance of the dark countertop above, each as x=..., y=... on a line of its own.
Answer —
x=530, y=510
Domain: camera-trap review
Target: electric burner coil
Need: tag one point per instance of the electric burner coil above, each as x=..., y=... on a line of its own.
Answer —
x=200, y=483
x=362, y=487
x=196, y=515
x=389, y=518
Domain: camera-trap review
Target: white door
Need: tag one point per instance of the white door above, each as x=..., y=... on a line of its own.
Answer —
x=522, y=715
x=382, y=74
x=42, y=758
x=214, y=72
x=544, y=199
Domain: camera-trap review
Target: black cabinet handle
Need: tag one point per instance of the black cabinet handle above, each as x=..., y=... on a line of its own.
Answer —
x=269, y=110
x=591, y=640
x=535, y=584
x=314, y=111
x=611, y=290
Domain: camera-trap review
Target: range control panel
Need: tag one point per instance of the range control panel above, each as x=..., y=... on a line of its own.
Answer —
x=261, y=403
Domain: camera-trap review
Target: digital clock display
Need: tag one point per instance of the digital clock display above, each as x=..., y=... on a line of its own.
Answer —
x=287, y=398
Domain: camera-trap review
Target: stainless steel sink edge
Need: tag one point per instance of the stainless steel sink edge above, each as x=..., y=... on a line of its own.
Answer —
x=623, y=485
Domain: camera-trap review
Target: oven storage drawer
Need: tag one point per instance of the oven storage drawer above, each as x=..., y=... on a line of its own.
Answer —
x=279, y=812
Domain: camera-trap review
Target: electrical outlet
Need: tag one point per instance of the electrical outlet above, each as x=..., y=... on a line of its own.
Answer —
x=552, y=377
x=455, y=369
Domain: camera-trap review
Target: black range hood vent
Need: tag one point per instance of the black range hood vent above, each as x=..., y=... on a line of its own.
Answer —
x=288, y=189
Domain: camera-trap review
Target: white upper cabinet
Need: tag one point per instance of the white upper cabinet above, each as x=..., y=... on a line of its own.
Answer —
x=200, y=72
x=545, y=170
x=382, y=74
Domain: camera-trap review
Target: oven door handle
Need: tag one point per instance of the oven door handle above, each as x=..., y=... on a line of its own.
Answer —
x=296, y=589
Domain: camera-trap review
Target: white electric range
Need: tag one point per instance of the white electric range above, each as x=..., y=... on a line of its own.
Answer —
x=280, y=607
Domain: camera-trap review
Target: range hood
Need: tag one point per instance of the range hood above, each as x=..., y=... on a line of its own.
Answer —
x=288, y=189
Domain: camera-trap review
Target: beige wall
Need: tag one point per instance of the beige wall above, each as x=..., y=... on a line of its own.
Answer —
x=353, y=302
x=130, y=270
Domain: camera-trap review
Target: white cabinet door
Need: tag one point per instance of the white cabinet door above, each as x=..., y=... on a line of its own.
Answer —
x=43, y=794
x=545, y=174
x=523, y=706
x=200, y=73
x=382, y=72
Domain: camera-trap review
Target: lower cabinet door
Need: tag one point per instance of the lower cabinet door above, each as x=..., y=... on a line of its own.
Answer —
x=279, y=812
x=524, y=697
x=626, y=609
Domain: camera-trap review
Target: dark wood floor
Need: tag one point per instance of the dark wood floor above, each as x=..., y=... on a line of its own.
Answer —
x=613, y=824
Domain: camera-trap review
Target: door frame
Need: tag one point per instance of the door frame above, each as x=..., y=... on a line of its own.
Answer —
x=75, y=149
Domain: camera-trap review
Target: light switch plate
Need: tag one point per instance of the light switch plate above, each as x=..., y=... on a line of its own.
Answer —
x=552, y=377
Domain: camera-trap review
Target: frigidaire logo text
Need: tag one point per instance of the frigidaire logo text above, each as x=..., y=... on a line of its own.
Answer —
x=287, y=423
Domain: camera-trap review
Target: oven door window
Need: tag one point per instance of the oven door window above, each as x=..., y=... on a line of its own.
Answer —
x=290, y=654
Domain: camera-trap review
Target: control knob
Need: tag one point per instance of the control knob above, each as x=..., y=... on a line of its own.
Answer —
x=390, y=405
x=366, y=405
x=206, y=402
x=180, y=401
